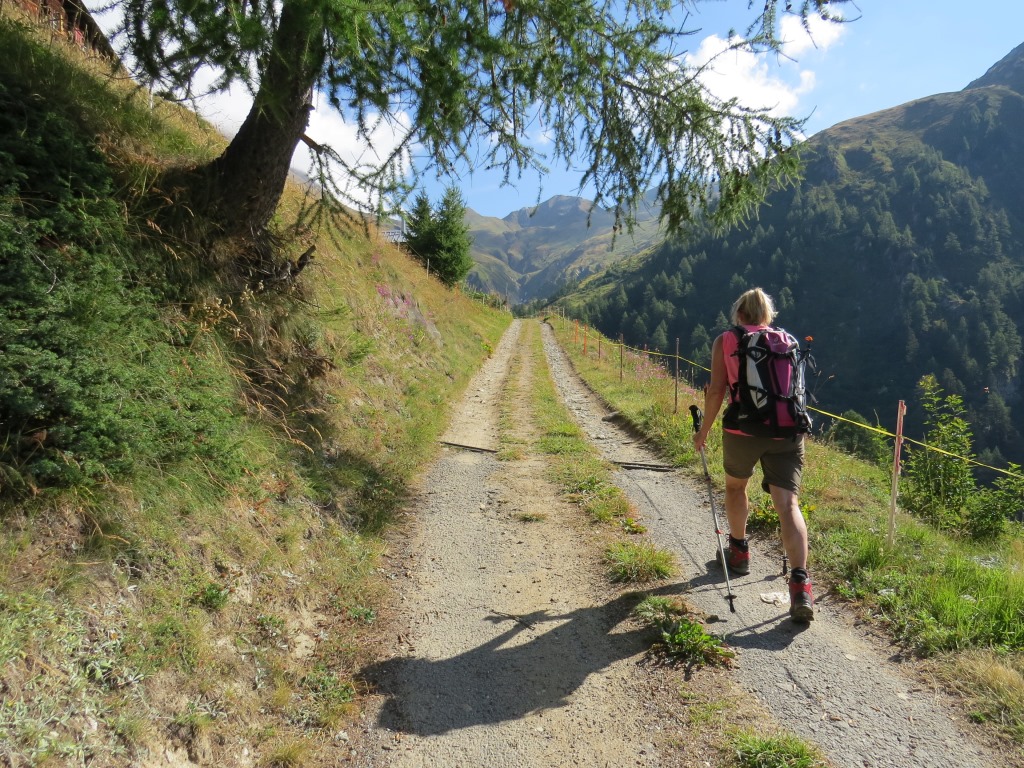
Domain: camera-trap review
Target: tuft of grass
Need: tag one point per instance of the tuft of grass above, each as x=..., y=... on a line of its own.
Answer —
x=994, y=686
x=212, y=596
x=324, y=699
x=638, y=563
x=509, y=451
x=531, y=517
x=133, y=730
x=198, y=716
x=631, y=526
x=786, y=751
x=705, y=713
x=583, y=477
x=288, y=754
x=362, y=613
x=609, y=503
x=680, y=638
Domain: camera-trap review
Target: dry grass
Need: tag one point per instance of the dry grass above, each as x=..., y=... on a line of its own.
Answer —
x=993, y=685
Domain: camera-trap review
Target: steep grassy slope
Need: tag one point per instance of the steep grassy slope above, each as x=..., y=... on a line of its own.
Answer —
x=195, y=464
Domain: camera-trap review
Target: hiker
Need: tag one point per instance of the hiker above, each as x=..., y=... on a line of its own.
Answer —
x=779, y=447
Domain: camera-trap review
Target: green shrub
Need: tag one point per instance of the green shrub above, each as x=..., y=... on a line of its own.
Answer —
x=92, y=381
x=857, y=441
x=939, y=484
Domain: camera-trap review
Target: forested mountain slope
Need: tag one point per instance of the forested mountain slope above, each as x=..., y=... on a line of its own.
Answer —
x=901, y=252
x=532, y=252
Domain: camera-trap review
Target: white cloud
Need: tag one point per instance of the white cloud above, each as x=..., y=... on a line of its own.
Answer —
x=766, y=80
x=747, y=77
x=328, y=126
x=226, y=109
x=797, y=41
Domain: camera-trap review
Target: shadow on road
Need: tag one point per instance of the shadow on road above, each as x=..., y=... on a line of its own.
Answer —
x=509, y=676
x=738, y=629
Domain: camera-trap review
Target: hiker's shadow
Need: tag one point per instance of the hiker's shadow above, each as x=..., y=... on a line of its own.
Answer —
x=537, y=663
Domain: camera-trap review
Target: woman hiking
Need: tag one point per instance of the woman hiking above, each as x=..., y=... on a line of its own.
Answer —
x=777, y=443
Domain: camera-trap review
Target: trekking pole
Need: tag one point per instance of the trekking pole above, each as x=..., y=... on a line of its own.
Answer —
x=698, y=419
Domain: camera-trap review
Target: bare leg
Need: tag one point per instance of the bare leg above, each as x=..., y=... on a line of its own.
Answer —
x=794, y=529
x=737, y=508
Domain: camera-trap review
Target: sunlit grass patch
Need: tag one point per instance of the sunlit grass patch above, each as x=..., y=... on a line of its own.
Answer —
x=994, y=686
x=786, y=751
x=288, y=754
x=638, y=562
x=610, y=505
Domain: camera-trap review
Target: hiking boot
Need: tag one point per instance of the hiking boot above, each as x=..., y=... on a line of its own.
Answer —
x=801, y=601
x=737, y=560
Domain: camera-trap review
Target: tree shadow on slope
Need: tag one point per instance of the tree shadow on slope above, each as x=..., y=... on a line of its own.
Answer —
x=527, y=668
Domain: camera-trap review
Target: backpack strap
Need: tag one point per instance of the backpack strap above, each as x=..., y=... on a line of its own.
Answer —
x=734, y=386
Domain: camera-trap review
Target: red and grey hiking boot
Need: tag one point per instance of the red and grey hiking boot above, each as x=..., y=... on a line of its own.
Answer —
x=738, y=560
x=801, y=600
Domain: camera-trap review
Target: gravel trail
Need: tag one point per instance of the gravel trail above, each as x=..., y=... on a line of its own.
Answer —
x=509, y=649
x=509, y=653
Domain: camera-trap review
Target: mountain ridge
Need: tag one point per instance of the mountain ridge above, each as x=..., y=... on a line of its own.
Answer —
x=531, y=252
x=1008, y=71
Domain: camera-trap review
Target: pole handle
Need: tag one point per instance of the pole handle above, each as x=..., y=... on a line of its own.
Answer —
x=697, y=416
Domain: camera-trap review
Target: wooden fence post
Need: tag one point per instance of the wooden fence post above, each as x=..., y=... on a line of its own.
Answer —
x=900, y=411
x=677, y=376
x=622, y=343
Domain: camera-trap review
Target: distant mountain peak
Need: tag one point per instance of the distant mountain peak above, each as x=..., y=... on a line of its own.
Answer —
x=1008, y=71
x=556, y=211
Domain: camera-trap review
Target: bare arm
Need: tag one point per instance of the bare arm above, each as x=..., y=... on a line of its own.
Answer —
x=715, y=395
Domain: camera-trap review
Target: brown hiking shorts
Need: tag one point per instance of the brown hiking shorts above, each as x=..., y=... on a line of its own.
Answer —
x=782, y=460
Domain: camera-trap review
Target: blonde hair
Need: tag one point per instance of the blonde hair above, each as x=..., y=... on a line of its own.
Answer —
x=754, y=307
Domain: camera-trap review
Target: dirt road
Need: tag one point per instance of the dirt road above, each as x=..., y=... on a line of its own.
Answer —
x=510, y=648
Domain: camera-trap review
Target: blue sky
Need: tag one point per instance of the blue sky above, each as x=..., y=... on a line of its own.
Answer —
x=895, y=51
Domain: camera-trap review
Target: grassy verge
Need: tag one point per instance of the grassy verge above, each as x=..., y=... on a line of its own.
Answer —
x=943, y=597
x=586, y=480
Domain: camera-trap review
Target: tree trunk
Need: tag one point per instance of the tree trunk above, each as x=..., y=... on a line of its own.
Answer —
x=240, y=190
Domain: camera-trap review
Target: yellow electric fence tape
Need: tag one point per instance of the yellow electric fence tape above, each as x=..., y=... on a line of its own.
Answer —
x=878, y=430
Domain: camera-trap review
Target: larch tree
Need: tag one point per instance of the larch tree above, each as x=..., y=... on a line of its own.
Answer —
x=462, y=82
x=421, y=234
